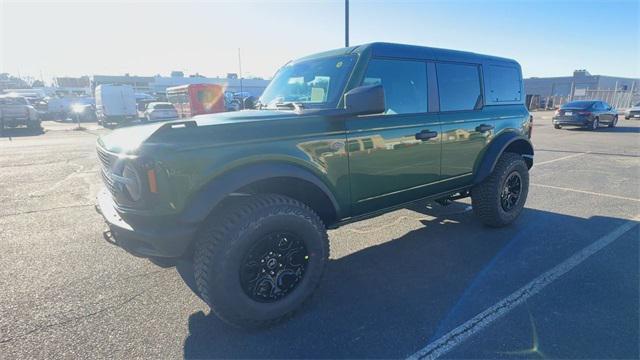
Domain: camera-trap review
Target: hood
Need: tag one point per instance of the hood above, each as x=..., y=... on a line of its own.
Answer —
x=128, y=140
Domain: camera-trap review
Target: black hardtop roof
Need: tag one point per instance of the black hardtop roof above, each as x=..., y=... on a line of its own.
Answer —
x=382, y=49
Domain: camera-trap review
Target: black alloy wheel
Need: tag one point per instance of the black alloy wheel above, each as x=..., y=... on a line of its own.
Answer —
x=511, y=191
x=273, y=267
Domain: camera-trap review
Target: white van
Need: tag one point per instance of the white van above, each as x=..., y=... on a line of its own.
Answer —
x=115, y=104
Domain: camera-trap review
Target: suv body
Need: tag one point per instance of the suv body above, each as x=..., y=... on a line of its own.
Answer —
x=338, y=136
x=16, y=111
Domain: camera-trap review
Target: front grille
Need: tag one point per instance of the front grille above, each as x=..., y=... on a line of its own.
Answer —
x=107, y=160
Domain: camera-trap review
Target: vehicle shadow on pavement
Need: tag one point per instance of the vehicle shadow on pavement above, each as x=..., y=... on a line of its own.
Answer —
x=20, y=132
x=391, y=299
x=617, y=129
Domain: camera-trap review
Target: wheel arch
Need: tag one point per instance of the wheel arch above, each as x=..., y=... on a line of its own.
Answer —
x=268, y=177
x=507, y=142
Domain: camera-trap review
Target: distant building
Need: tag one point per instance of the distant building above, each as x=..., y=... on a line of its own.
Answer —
x=158, y=84
x=72, y=86
x=254, y=87
x=11, y=82
x=578, y=84
x=552, y=92
x=140, y=84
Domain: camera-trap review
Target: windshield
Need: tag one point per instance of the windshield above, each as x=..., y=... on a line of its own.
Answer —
x=578, y=105
x=315, y=83
x=163, y=107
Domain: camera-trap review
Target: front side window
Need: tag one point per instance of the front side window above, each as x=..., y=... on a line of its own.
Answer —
x=315, y=83
x=459, y=87
x=404, y=82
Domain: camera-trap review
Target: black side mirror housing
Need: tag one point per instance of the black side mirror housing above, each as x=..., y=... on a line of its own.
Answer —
x=365, y=100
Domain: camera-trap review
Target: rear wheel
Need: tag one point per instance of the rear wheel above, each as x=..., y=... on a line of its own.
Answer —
x=500, y=198
x=614, y=122
x=258, y=262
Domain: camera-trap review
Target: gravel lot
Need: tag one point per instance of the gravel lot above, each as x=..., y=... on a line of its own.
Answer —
x=395, y=283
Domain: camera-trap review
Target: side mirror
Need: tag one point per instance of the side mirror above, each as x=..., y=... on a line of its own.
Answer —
x=365, y=100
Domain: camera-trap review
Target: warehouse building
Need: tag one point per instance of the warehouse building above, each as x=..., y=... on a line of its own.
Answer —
x=582, y=85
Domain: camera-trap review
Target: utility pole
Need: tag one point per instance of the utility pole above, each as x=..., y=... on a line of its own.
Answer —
x=346, y=23
x=240, y=74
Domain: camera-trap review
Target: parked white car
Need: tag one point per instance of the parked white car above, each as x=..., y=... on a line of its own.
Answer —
x=157, y=111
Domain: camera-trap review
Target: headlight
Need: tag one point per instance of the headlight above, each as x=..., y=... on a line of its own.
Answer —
x=132, y=182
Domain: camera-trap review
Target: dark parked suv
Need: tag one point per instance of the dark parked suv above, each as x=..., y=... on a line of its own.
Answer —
x=588, y=114
x=336, y=137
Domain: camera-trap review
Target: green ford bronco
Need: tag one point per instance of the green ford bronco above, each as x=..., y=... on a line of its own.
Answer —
x=336, y=137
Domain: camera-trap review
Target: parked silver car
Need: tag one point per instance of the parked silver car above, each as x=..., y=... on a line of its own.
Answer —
x=633, y=112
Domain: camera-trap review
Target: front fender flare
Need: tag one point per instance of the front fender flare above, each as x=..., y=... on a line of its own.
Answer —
x=211, y=194
x=500, y=144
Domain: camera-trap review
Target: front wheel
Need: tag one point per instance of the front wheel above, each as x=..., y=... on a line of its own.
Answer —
x=556, y=126
x=500, y=198
x=614, y=122
x=259, y=261
x=595, y=124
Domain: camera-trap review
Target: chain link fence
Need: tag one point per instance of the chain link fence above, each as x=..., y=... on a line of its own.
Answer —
x=619, y=99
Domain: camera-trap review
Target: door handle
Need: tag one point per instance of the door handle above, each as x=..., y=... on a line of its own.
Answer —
x=484, y=128
x=425, y=135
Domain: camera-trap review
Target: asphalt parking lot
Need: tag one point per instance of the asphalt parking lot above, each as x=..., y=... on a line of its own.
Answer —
x=406, y=283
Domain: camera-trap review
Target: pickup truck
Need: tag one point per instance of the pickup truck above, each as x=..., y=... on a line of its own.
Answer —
x=16, y=111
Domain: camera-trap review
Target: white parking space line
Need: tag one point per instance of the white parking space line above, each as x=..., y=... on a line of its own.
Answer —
x=561, y=158
x=586, y=192
x=461, y=333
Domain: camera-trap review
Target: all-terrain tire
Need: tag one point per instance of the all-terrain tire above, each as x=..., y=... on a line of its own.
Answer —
x=222, y=246
x=486, y=196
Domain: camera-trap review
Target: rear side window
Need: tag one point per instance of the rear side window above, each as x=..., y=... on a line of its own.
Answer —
x=503, y=83
x=459, y=87
x=404, y=82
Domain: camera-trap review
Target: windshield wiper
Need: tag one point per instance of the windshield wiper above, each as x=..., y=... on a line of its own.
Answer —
x=290, y=105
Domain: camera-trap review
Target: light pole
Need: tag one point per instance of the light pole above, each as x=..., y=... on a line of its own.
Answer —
x=240, y=70
x=346, y=23
x=78, y=109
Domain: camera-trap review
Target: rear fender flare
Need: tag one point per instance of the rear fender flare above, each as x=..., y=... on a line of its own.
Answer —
x=512, y=141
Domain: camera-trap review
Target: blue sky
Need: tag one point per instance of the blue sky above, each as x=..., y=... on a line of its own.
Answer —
x=548, y=38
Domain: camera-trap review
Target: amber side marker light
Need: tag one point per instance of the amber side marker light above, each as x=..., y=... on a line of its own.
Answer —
x=153, y=184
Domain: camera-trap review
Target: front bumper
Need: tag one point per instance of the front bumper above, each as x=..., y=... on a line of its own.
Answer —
x=152, y=239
